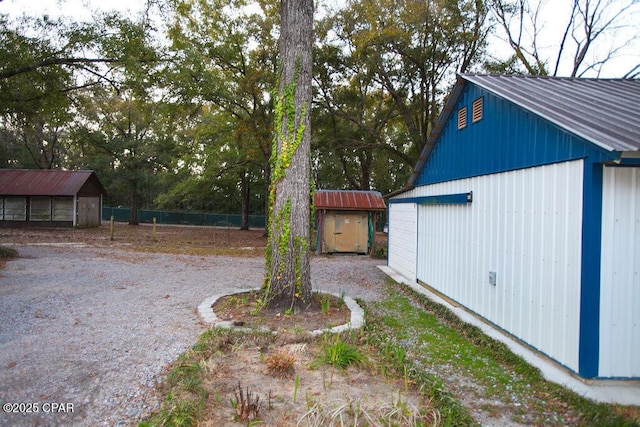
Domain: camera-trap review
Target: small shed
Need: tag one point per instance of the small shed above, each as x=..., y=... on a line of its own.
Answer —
x=524, y=208
x=50, y=198
x=345, y=220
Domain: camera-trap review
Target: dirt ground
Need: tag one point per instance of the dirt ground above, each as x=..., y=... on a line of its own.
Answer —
x=184, y=239
x=195, y=240
x=324, y=311
x=317, y=392
x=141, y=236
x=309, y=396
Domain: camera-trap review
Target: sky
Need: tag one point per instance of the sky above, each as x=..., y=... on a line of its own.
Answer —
x=80, y=9
x=553, y=27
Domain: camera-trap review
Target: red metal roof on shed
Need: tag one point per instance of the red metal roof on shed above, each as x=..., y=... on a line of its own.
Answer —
x=42, y=182
x=349, y=200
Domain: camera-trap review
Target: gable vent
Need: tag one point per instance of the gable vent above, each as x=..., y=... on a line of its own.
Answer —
x=476, y=110
x=462, y=118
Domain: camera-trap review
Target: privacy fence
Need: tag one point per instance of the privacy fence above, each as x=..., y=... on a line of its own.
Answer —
x=187, y=218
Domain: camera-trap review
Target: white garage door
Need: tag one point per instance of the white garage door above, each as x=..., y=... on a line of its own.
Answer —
x=403, y=239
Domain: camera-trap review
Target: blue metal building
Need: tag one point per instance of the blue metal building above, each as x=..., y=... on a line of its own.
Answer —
x=524, y=207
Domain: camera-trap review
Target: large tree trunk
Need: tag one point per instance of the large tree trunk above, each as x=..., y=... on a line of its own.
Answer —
x=287, y=284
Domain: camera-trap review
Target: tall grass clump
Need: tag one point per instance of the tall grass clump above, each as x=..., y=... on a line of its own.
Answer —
x=6, y=253
x=338, y=353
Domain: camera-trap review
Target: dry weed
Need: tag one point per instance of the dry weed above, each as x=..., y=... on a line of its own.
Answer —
x=281, y=364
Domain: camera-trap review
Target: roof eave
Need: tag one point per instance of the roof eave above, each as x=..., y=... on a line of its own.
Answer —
x=446, y=112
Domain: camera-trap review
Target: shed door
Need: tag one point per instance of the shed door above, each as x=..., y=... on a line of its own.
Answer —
x=88, y=211
x=620, y=274
x=346, y=232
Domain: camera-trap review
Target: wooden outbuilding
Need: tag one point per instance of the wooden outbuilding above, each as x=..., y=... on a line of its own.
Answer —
x=50, y=198
x=345, y=220
x=524, y=208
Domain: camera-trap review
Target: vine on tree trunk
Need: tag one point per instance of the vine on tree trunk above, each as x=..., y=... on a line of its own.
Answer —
x=290, y=137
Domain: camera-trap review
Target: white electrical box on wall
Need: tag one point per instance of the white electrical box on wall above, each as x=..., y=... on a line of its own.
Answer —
x=492, y=278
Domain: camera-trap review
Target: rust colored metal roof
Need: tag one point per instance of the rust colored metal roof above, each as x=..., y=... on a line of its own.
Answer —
x=349, y=200
x=41, y=182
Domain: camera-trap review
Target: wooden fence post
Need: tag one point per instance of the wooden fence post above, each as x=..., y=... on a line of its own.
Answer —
x=154, y=229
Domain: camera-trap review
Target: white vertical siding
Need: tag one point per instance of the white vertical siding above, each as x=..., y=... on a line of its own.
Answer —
x=620, y=274
x=525, y=225
x=402, y=239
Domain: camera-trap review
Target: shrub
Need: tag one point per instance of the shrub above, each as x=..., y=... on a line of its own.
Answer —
x=379, y=252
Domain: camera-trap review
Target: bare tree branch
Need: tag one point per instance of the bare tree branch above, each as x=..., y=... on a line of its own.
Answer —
x=503, y=11
x=564, y=37
x=590, y=21
x=633, y=73
x=5, y=74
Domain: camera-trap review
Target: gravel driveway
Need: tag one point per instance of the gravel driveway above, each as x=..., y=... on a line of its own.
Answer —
x=88, y=330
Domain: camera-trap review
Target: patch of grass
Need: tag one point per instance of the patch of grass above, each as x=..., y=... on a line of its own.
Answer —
x=431, y=335
x=185, y=384
x=7, y=253
x=394, y=361
x=379, y=252
x=188, y=378
x=325, y=305
x=439, y=344
x=338, y=353
x=176, y=413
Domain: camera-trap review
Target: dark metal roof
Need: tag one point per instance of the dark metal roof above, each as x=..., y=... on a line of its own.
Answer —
x=43, y=182
x=349, y=200
x=605, y=112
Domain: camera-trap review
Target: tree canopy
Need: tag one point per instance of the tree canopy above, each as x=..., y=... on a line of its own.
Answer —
x=174, y=107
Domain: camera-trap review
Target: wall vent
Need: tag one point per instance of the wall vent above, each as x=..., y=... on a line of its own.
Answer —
x=462, y=118
x=476, y=110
